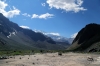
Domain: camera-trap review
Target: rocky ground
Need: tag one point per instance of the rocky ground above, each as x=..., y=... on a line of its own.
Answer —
x=52, y=59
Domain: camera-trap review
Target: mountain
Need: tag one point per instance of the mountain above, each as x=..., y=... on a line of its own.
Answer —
x=14, y=37
x=57, y=37
x=88, y=39
x=60, y=40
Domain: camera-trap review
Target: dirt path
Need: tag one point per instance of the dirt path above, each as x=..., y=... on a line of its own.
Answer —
x=52, y=59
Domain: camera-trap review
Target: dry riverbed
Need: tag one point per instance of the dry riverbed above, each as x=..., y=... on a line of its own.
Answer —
x=52, y=59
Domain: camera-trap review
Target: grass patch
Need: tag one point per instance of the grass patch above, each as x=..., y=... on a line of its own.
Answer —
x=28, y=52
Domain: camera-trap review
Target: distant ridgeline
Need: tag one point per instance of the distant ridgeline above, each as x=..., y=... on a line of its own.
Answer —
x=14, y=37
x=88, y=39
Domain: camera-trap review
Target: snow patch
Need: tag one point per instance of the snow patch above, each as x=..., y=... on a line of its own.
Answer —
x=58, y=38
x=10, y=34
x=13, y=33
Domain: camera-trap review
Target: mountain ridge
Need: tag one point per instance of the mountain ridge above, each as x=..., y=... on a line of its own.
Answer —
x=88, y=39
x=14, y=37
x=56, y=37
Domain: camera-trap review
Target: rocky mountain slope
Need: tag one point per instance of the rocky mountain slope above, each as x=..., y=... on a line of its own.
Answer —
x=61, y=40
x=57, y=38
x=14, y=37
x=88, y=39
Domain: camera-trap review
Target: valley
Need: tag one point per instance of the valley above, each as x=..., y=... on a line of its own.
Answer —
x=52, y=59
x=49, y=33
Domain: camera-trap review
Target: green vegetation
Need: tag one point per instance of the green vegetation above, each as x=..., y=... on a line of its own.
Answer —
x=28, y=52
x=9, y=52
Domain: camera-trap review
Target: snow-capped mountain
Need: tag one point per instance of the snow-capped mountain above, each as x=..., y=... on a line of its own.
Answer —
x=61, y=38
x=56, y=37
x=14, y=37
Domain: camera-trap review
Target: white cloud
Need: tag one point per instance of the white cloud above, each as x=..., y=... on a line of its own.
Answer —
x=25, y=27
x=45, y=33
x=3, y=5
x=67, y=5
x=35, y=30
x=43, y=16
x=56, y=34
x=74, y=35
x=43, y=4
x=10, y=13
x=27, y=15
x=35, y=16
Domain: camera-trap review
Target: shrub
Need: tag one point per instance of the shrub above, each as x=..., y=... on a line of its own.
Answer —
x=59, y=53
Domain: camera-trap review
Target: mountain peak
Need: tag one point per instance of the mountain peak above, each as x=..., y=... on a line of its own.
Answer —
x=16, y=37
x=56, y=37
x=87, y=36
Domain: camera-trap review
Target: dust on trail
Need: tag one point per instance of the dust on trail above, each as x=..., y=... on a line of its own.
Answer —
x=52, y=59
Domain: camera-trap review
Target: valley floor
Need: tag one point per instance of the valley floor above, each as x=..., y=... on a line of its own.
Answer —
x=52, y=59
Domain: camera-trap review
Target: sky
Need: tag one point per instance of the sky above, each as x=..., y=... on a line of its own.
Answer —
x=58, y=17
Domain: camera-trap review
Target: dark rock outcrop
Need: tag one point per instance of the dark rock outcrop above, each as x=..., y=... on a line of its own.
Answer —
x=87, y=38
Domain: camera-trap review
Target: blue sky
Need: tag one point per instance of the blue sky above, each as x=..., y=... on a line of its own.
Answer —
x=58, y=17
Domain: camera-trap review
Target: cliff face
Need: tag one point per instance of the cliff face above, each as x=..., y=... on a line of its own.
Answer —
x=88, y=38
x=14, y=37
